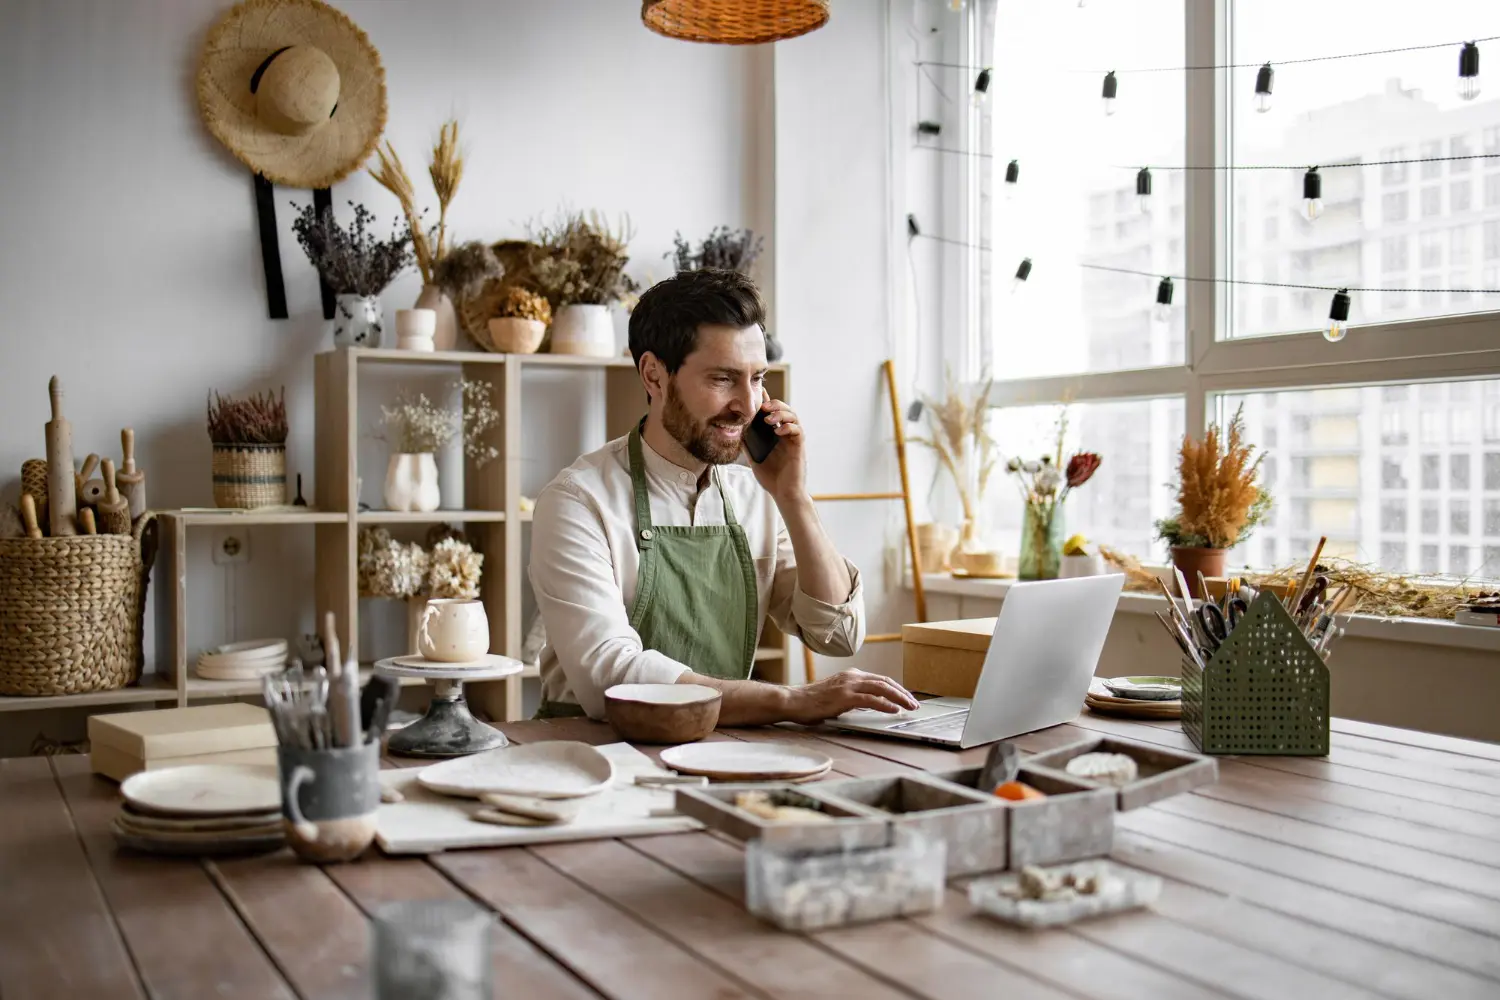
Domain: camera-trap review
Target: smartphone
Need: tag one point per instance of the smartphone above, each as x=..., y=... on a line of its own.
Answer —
x=760, y=438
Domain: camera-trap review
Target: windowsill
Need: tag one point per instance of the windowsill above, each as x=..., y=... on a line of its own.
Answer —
x=1421, y=631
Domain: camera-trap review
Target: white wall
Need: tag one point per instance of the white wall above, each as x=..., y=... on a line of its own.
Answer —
x=130, y=265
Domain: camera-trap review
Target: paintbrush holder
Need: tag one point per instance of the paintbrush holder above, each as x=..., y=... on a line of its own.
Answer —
x=1264, y=691
x=328, y=799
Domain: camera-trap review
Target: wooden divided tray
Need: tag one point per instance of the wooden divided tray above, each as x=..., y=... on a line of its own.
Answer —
x=1162, y=772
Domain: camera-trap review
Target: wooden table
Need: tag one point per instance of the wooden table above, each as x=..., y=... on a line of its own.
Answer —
x=1373, y=872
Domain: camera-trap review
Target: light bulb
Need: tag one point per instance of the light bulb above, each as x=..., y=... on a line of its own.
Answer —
x=1022, y=273
x=1468, y=71
x=1337, y=327
x=1143, y=189
x=1263, y=82
x=1312, y=195
x=981, y=92
x=1012, y=178
x=1111, y=88
x=1312, y=208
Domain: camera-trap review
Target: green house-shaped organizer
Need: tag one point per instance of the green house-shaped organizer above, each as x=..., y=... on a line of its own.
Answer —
x=1265, y=691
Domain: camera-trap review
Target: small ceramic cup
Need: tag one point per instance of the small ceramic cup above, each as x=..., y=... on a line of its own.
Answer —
x=453, y=630
x=1082, y=565
x=415, y=329
x=329, y=799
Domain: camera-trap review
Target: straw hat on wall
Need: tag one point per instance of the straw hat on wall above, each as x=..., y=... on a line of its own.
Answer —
x=294, y=89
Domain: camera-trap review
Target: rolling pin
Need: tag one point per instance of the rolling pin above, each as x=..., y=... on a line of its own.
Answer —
x=62, y=498
x=28, y=516
x=85, y=475
x=34, y=481
x=86, y=524
x=90, y=493
x=132, y=480
x=113, y=509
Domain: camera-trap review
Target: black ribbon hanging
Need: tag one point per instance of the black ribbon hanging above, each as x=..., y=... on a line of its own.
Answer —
x=323, y=200
x=270, y=247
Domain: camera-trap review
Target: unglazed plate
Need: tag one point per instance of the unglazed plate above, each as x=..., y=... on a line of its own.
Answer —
x=736, y=761
x=204, y=790
x=557, y=769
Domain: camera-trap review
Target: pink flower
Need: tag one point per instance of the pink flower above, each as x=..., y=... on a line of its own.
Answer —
x=1081, y=467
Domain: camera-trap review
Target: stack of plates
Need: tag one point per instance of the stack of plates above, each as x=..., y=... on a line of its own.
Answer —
x=243, y=661
x=201, y=809
x=1135, y=697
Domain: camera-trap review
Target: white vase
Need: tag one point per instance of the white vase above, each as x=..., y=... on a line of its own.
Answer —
x=411, y=483
x=584, y=329
x=415, y=329
x=1082, y=565
x=358, y=321
x=445, y=332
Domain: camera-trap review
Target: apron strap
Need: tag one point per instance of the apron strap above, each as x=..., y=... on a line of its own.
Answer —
x=643, y=528
x=729, y=517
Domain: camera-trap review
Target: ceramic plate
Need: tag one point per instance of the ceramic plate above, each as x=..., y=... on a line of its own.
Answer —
x=736, y=761
x=1145, y=688
x=558, y=769
x=204, y=790
x=492, y=667
x=223, y=845
x=194, y=824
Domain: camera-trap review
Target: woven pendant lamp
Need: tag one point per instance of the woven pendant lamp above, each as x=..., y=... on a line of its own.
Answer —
x=734, y=22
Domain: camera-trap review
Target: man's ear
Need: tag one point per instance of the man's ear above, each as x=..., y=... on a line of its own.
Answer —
x=653, y=376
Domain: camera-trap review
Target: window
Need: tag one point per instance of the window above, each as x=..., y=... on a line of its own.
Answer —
x=1458, y=517
x=1393, y=427
x=1393, y=173
x=1431, y=523
x=1461, y=246
x=1458, y=560
x=1432, y=202
x=1492, y=517
x=1491, y=566
x=1432, y=426
x=1492, y=239
x=1492, y=191
x=1393, y=516
x=1460, y=423
x=1431, y=151
x=1393, y=255
x=1392, y=474
x=1492, y=470
x=1491, y=139
x=1432, y=472
x=1459, y=145
x=1393, y=207
x=1459, y=196
x=1432, y=249
x=1430, y=559
x=1393, y=556
x=1458, y=472
x=1273, y=227
x=1301, y=472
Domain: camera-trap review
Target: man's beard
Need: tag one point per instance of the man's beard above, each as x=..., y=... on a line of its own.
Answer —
x=697, y=436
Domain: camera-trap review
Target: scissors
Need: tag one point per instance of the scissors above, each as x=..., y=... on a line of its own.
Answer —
x=1316, y=591
x=1212, y=624
x=1235, y=609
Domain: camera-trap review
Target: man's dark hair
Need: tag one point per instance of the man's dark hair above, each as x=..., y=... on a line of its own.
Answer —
x=666, y=319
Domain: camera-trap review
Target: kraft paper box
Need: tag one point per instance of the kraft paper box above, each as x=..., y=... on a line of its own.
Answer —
x=944, y=658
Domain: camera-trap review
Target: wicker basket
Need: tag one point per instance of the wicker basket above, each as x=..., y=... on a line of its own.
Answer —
x=734, y=22
x=249, y=475
x=1265, y=691
x=71, y=611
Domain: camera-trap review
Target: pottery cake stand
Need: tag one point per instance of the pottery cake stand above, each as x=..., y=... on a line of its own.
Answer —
x=447, y=729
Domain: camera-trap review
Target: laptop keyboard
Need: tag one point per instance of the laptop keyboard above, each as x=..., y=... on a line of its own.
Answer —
x=943, y=725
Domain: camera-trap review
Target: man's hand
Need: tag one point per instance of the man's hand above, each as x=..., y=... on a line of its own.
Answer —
x=783, y=474
x=845, y=691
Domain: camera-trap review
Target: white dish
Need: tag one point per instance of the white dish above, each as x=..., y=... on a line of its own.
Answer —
x=557, y=769
x=204, y=790
x=253, y=649
x=736, y=761
x=662, y=694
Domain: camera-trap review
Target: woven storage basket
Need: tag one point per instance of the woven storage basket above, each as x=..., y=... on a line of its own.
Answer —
x=249, y=475
x=71, y=611
x=734, y=22
x=1265, y=691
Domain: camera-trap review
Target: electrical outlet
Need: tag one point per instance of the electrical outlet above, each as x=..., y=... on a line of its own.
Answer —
x=231, y=547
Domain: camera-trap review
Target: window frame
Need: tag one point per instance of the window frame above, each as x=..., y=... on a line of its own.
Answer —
x=1444, y=348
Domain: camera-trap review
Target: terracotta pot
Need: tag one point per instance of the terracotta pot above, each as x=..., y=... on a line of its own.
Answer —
x=515, y=335
x=586, y=330
x=1192, y=561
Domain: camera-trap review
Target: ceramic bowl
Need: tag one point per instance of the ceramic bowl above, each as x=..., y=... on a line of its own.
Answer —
x=662, y=713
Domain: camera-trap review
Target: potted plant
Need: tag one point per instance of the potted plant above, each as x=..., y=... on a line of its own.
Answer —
x=579, y=265
x=958, y=432
x=416, y=429
x=1219, y=502
x=730, y=249
x=521, y=323
x=249, y=449
x=356, y=265
x=1045, y=484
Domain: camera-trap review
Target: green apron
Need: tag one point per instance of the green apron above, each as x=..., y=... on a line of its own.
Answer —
x=695, y=596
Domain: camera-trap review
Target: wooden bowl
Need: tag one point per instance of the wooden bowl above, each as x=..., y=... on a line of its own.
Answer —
x=662, y=713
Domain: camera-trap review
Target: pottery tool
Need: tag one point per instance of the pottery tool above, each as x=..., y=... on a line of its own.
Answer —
x=113, y=511
x=375, y=704
x=86, y=522
x=1184, y=590
x=530, y=807
x=91, y=492
x=62, y=495
x=85, y=474
x=28, y=516
x=34, y=481
x=132, y=480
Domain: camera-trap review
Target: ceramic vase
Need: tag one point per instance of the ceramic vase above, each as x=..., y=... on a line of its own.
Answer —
x=358, y=321
x=515, y=335
x=411, y=483
x=445, y=328
x=1193, y=560
x=415, y=329
x=1041, y=543
x=584, y=329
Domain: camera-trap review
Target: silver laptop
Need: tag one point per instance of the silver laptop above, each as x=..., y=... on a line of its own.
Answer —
x=1046, y=644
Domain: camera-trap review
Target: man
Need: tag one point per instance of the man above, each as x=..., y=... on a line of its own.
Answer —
x=657, y=558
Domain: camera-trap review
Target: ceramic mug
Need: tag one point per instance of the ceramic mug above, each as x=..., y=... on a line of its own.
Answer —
x=329, y=799
x=453, y=630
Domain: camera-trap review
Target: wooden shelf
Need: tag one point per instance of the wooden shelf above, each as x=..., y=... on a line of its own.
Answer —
x=152, y=688
x=430, y=517
x=273, y=516
x=200, y=687
x=391, y=355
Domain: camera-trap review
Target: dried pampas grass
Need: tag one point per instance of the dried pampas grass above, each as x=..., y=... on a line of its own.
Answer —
x=1218, y=500
x=446, y=171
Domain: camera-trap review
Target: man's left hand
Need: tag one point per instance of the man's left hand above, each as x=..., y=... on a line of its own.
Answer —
x=783, y=473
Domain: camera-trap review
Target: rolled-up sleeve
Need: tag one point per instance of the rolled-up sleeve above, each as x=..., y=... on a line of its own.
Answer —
x=581, y=604
x=827, y=629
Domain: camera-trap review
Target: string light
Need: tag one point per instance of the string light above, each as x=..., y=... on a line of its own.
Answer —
x=1468, y=71
x=1022, y=273
x=1111, y=87
x=1312, y=195
x=929, y=128
x=1143, y=189
x=1338, y=317
x=956, y=5
x=1263, y=81
x=981, y=87
x=1164, y=300
x=1012, y=177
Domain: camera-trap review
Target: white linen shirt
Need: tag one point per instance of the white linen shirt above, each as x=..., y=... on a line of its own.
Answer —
x=584, y=563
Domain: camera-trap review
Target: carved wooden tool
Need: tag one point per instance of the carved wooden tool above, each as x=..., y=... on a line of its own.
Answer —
x=86, y=525
x=28, y=516
x=34, y=481
x=84, y=475
x=132, y=481
x=114, y=511
x=90, y=493
x=62, y=496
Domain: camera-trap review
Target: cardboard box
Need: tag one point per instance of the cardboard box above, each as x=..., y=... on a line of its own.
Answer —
x=945, y=658
x=125, y=742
